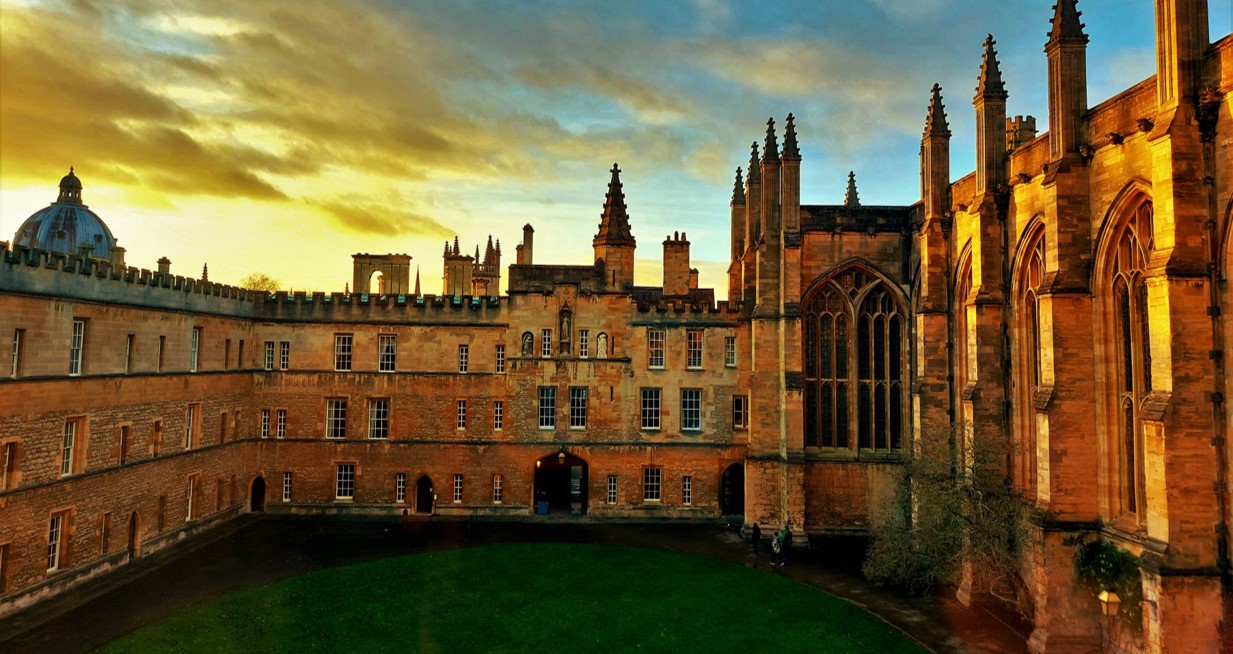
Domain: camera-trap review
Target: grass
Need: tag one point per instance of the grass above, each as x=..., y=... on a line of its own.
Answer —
x=553, y=597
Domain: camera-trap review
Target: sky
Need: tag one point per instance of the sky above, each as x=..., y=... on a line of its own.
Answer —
x=282, y=137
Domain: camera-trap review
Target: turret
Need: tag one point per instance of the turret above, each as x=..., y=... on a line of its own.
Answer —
x=458, y=269
x=1181, y=39
x=935, y=158
x=1067, y=55
x=771, y=218
x=850, y=197
x=614, y=243
x=790, y=196
x=990, y=103
x=737, y=236
x=676, y=265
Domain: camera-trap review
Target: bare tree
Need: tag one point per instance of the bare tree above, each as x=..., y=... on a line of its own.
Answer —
x=260, y=282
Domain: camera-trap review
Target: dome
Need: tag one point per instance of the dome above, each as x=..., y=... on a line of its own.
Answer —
x=67, y=225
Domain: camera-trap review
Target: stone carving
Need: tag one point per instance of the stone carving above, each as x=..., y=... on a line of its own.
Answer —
x=528, y=343
x=601, y=345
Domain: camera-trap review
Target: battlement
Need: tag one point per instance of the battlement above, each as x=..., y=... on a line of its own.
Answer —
x=542, y=278
x=302, y=306
x=40, y=272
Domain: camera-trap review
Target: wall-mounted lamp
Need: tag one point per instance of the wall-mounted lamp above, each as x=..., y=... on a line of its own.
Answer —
x=1110, y=603
x=561, y=457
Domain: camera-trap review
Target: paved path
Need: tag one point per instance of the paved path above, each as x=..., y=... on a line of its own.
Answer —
x=257, y=549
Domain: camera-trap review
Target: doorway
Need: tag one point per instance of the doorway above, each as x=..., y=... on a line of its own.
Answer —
x=560, y=485
x=134, y=524
x=423, y=495
x=732, y=495
x=256, y=498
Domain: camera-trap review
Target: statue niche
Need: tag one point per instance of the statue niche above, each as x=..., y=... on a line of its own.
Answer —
x=528, y=343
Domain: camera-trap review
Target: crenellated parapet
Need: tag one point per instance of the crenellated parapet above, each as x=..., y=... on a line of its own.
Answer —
x=301, y=306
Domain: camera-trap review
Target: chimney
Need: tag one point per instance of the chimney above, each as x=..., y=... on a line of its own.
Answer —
x=676, y=265
x=525, y=250
x=117, y=258
x=693, y=278
x=164, y=266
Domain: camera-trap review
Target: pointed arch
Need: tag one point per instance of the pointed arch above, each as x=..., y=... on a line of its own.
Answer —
x=1027, y=365
x=1133, y=193
x=855, y=330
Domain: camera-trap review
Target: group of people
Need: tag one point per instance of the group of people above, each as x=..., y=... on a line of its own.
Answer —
x=781, y=542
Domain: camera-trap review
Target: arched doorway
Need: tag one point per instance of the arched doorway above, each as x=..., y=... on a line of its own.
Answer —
x=256, y=498
x=732, y=494
x=134, y=542
x=423, y=495
x=560, y=485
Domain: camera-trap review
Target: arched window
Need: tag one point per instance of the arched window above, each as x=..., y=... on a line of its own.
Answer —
x=1029, y=375
x=1132, y=349
x=854, y=364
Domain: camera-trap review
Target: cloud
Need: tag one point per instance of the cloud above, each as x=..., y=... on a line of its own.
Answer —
x=364, y=216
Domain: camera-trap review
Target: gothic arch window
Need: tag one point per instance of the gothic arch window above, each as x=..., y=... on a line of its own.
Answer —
x=1029, y=374
x=1131, y=338
x=855, y=335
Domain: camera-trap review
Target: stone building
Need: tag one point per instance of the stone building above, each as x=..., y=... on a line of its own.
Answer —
x=1067, y=298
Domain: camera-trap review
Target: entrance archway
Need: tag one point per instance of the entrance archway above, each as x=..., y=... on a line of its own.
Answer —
x=560, y=485
x=256, y=498
x=134, y=542
x=732, y=490
x=423, y=495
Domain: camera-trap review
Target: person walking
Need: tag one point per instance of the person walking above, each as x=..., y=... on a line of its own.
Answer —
x=776, y=551
x=785, y=538
x=755, y=537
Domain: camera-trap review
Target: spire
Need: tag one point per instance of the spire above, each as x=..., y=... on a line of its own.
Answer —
x=753, y=163
x=738, y=188
x=476, y=259
x=1066, y=25
x=205, y=272
x=850, y=198
x=457, y=252
x=446, y=253
x=614, y=221
x=790, y=150
x=70, y=188
x=489, y=253
x=346, y=288
x=990, y=83
x=417, y=280
x=935, y=124
x=770, y=151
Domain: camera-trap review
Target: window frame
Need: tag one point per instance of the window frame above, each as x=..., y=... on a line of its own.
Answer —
x=584, y=343
x=546, y=406
x=56, y=532
x=655, y=339
x=280, y=423
x=194, y=352
x=457, y=498
x=460, y=415
x=267, y=362
x=464, y=356
x=284, y=355
x=498, y=415
x=691, y=409
x=578, y=407
x=265, y=423
x=15, y=363
x=344, y=344
x=498, y=489
x=652, y=484
x=545, y=344
x=687, y=490
x=379, y=418
x=740, y=412
x=336, y=418
x=387, y=352
x=500, y=357
x=655, y=413
x=612, y=490
x=400, y=488
x=286, y=486
x=77, y=348
x=344, y=481
x=729, y=351
x=693, y=348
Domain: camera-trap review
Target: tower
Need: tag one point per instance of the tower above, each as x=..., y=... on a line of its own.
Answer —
x=614, y=244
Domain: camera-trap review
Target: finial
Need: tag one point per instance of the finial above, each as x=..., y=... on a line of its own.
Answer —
x=346, y=288
x=457, y=251
x=990, y=85
x=753, y=163
x=1065, y=23
x=417, y=280
x=790, y=149
x=770, y=151
x=935, y=123
x=738, y=188
x=850, y=198
x=70, y=170
x=205, y=267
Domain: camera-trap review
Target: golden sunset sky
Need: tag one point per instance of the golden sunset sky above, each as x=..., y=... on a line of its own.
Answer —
x=282, y=137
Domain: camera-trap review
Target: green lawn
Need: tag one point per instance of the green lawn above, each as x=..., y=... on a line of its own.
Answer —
x=551, y=597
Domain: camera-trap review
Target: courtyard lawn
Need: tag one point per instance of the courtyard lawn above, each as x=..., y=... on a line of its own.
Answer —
x=543, y=597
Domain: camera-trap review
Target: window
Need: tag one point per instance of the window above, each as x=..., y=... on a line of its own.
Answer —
x=162, y=345
x=8, y=459
x=280, y=423
x=379, y=418
x=461, y=421
x=400, y=487
x=740, y=412
x=195, y=350
x=68, y=445
x=457, y=488
x=344, y=485
x=651, y=478
x=190, y=499
x=854, y=373
x=284, y=354
x=693, y=348
x=650, y=408
x=498, y=493
x=226, y=353
x=577, y=407
x=547, y=407
x=286, y=486
x=342, y=352
x=268, y=362
x=190, y=427
x=1027, y=368
x=612, y=489
x=545, y=343
x=464, y=352
x=55, y=541
x=584, y=343
x=691, y=409
x=501, y=357
x=4, y=567
x=730, y=352
x=104, y=535
x=156, y=438
x=336, y=418
x=687, y=490
x=498, y=415
x=265, y=423
x=387, y=346
x=15, y=364
x=655, y=348
x=128, y=354
x=123, y=444
x=75, y=348
x=239, y=357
